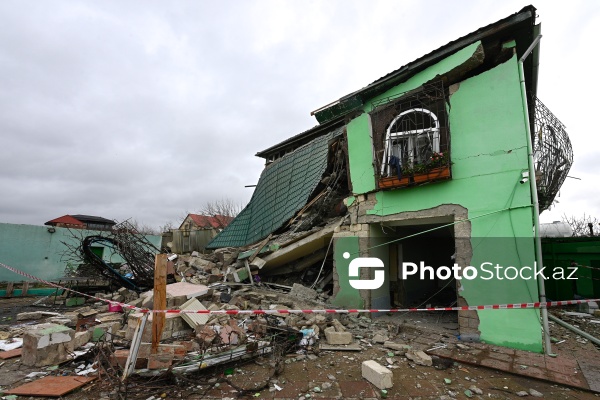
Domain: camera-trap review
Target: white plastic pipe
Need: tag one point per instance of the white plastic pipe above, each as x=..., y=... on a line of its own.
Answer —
x=534, y=197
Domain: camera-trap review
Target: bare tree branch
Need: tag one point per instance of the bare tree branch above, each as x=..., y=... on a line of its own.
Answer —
x=225, y=206
x=581, y=225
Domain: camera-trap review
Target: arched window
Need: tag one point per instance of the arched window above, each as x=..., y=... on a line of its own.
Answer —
x=411, y=138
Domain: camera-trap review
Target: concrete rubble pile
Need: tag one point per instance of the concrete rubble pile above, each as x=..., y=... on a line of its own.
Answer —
x=50, y=338
x=192, y=342
x=209, y=340
x=231, y=265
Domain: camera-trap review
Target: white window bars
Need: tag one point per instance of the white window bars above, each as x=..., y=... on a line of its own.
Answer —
x=412, y=137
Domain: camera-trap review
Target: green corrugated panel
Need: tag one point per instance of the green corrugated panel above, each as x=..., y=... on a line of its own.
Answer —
x=282, y=190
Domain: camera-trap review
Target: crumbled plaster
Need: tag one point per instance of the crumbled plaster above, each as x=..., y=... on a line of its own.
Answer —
x=360, y=220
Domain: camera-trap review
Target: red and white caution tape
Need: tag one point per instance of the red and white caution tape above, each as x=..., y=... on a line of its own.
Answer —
x=513, y=306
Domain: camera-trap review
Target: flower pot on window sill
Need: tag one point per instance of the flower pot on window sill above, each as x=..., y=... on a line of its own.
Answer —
x=393, y=181
x=433, y=175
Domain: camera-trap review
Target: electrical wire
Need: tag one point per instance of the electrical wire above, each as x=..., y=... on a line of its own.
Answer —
x=323, y=264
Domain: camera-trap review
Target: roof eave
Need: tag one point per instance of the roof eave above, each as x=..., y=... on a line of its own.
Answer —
x=381, y=85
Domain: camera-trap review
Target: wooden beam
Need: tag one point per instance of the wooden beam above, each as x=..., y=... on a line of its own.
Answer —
x=9, y=289
x=259, y=248
x=160, y=299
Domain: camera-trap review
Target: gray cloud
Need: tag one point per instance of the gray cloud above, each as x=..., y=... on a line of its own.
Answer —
x=148, y=109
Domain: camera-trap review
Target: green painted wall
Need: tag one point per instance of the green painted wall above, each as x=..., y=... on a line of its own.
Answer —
x=360, y=147
x=380, y=298
x=488, y=154
x=34, y=250
x=347, y=296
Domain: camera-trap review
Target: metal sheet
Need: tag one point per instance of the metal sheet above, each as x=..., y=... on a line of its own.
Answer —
x=194, y=320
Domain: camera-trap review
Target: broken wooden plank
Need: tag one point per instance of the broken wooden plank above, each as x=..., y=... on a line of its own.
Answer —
x=51, y=386
x=160, y=299
x=249, y=271
x=259, y=248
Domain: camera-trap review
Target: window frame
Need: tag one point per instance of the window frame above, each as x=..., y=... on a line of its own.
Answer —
x=412, y=137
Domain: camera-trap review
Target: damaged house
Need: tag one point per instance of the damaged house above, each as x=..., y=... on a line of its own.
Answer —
x=426, y=165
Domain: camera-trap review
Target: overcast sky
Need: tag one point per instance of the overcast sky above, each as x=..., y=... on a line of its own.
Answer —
x=147, y=109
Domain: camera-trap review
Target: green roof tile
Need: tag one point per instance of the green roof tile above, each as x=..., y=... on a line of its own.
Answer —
x=283, y=188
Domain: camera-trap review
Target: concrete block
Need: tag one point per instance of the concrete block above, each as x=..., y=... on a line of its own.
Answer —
x=176, y=301
x=334, y=337
x=337, y=325
x=399, y=349
x=24, y=316
x=378, y=338
x=81, y=338
x=473, y=323
x=47, y=344
x=103, y=331
x=109, y=317
x=419, y=357
x=136, y=302
x=63, y=321
x=174, y=326
x=258, y=262
x=377, y=374
x=588, y=308
x=118, y=297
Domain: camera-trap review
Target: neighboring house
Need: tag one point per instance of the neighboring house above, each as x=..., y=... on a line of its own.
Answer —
x=195, y=221
x=196, y=231
x=82, y=222
x=432, y=163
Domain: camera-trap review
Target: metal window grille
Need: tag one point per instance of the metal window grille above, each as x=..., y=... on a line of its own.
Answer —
x=410, y=132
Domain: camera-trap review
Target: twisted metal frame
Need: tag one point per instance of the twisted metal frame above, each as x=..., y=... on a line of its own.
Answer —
x=552, y=153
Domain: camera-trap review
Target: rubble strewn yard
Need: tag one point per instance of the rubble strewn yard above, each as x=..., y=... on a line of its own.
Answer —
x=353, y=271
x=295, y=356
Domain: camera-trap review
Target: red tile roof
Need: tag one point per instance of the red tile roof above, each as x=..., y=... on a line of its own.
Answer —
x=216, y=221
x=65, y=219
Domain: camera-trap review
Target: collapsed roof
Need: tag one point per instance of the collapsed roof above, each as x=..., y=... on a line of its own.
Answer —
x=284, y=187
